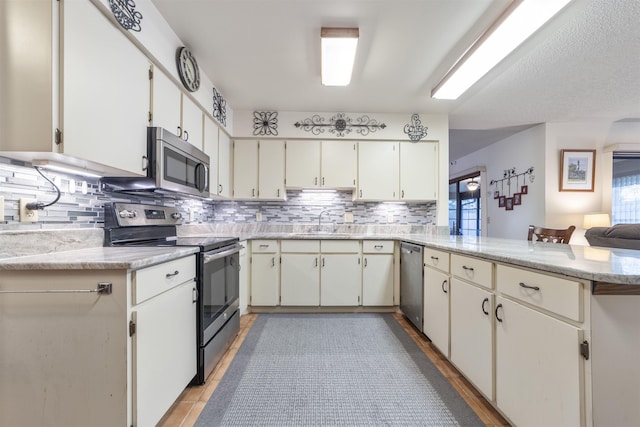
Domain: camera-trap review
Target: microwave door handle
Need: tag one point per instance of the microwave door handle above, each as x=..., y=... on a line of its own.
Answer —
x=206, y=177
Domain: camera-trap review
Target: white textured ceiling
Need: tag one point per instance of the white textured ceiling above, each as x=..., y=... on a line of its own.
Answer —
x=264, y=55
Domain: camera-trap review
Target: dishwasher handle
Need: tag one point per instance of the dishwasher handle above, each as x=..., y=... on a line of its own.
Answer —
x=409, y=248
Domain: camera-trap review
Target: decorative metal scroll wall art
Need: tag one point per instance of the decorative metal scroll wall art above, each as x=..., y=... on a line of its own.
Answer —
x=126, y=14
x=265, y=123
x=219, y=107
x=340, y=125
x=415, y=130
x=508, y=201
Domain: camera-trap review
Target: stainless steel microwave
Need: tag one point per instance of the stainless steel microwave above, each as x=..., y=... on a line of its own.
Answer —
x=174, y=167
x=175, y=164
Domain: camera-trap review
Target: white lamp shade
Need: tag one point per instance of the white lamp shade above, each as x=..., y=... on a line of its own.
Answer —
x=596, y=220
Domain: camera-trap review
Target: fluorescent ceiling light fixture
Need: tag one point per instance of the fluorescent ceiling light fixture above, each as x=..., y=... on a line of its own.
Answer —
x=515, y=25
x=338, y=54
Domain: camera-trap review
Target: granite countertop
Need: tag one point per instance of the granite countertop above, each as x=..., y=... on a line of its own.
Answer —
x=97, y=258
x=619, y=266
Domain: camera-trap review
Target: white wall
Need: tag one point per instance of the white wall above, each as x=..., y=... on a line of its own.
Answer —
x=522, y=151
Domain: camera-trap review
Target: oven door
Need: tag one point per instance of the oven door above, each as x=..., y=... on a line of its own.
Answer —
x=220, y=288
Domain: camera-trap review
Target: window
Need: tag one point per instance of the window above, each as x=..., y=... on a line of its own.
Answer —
x=625, y=197
x=464, y=207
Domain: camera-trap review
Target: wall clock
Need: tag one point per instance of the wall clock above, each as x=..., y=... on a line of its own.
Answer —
x=188, y=69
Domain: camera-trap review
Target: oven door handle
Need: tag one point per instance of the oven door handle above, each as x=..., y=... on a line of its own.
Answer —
x=217, y=255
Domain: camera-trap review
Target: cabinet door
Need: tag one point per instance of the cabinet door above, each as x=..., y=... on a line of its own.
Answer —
x=436, y=308
x=243, y=278
x=245, y=169
x=300, y=279
x=340, y=279
x=377, y=279
x=165, y=103
x=271, y=170
x=471, y=338
x=418, y=171
x=191, y=122
x=224, y=164
x=265, y=280
x=539, y=369
x=339, y=159
x=210, y=147
x=303, y=164
x=105, y=91
x=378, y=170
x=164, y=351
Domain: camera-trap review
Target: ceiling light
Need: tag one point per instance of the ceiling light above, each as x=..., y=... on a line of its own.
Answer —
x=338, y=54
x=513, y=27
x=473, y=185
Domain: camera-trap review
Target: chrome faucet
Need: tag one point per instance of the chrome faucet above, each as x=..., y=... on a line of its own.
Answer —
x=320, y=220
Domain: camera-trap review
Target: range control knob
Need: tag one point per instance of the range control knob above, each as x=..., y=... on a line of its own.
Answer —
x=176, y=215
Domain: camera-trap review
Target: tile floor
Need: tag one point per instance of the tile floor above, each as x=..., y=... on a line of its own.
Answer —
x=187, y=408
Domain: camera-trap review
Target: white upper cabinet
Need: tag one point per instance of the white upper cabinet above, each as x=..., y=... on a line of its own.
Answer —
x=105, y=96
x=245, y=169
x=224, y=165
x=165, y=103
x=271, y=170
x=321, y=164
x=303, y=164
x=377, y=170
x=258, y=170
x=210, y=147
x=418, y=171
x=192, y=123
x=339, y=163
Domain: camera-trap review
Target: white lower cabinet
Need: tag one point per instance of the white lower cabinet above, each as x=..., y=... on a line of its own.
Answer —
x=471, y=334
x=377, y=279
x=265, y=279
x=300, y=273
x=340, y=280
x=164, y=349
x=436, y=308
x=539, y=369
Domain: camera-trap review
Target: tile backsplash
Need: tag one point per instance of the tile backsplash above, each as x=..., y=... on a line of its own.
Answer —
x=81, y=204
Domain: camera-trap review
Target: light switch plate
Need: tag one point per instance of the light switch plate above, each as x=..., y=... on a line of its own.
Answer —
x=1, y=208
x=348, y=217
x=390, y=218
x=258, y=216
x=27, y=215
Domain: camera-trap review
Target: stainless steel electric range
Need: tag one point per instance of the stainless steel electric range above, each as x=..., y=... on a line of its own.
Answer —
x=217, y=269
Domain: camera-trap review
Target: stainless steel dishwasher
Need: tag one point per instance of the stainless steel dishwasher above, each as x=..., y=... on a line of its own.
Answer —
x=411, y=282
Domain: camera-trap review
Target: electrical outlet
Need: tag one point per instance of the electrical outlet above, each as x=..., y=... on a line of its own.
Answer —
x=258, y=216
x=192, y=215
x=348, y=217
x=27, y=215
x=389, y=218
x=1, y=208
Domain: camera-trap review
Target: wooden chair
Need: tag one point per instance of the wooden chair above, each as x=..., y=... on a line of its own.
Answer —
x=550, y=235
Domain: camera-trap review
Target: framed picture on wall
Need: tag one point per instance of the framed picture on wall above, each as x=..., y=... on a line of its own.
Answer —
x=501, y=201
x=577, y=170
x=508, y=205
x=496, y=194
x=517, y=198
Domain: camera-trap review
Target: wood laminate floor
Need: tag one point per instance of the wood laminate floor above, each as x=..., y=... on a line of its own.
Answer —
x=187, y=408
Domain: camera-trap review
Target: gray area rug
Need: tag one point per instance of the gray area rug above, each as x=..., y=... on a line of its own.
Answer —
x=333, y=370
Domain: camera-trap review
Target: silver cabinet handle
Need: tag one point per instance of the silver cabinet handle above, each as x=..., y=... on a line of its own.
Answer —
x=273, y=262
x=186, y=135
x=464, y=267
x=365, y=262
x=323, y=180
x=278, y=193
x=219, y=188
x=316, y=263
x=535, y=288
x=170, y=275
x=444, y=283
x=323, y=262
x=103, y=288
x=378, y=246
x=315, y=181
x=179, y=132
x=253, y=192
x=264, y=246
x=435, y=258
x=194, y=295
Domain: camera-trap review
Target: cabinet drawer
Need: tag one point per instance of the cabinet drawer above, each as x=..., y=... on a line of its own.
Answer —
x=558, y=295
x=436, y=259
x=474, y=270
x=377, y=246
x=151, y=281
x=264, y=246
x=340, y=246
x=305, y=246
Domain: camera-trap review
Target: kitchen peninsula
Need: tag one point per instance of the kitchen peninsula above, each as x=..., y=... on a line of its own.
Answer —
x=558, y=323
